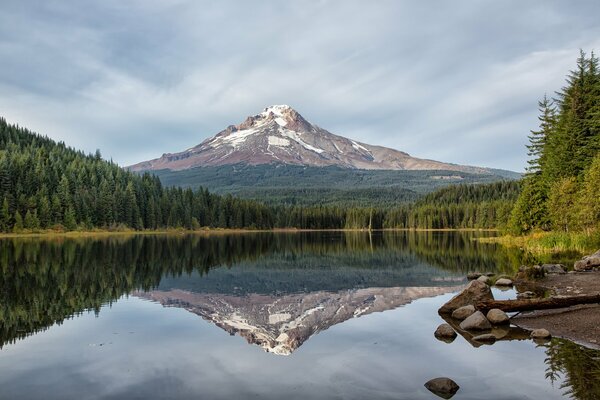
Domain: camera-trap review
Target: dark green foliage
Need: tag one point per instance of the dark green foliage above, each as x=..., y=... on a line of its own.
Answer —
x=45, y=184
x=460, y=206
x=295, y=185
x=556, y=193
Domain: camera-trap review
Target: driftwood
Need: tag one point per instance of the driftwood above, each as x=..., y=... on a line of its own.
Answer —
x=536, y=304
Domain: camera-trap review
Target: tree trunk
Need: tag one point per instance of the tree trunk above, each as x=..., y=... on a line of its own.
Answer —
x=537, y=304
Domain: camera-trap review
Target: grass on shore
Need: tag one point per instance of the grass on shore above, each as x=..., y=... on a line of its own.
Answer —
x=551, y=242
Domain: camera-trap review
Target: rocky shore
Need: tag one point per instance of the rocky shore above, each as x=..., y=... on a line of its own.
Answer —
x=469, y=314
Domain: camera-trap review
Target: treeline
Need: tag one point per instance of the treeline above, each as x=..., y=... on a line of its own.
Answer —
x=562, y=186
x=479, y=206
x=44, y=184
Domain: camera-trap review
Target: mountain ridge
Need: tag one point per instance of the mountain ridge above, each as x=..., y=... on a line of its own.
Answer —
x=279, y=134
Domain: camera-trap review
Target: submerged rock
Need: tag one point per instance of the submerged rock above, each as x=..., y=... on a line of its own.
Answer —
x=588, y=263
x=540, y=334
x=463, y=312
x=442, y=387
x=474, y=293
x=497, y=317
x=445, y=332
x=485, y=338
x=477, y=321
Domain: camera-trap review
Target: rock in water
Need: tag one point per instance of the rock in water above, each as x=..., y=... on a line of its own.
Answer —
x=540, y=334
x=445, y=332
x=504, y=282
x=463, y=312
x=554, y=269
x=484, y=279
x=486, y=338
x=474, y=293
x=477, y=321
x=442, y=387
x=497, y=317
x=588, y=263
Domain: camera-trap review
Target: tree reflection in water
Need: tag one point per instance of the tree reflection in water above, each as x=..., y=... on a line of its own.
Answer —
x=577, y=365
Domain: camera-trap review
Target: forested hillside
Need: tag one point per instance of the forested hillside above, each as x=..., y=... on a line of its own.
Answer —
x=480, y=206
x=297, y=185
x=44, y=184
x=562, y=187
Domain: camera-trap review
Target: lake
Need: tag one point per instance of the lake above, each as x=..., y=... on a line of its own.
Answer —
x=312, y=315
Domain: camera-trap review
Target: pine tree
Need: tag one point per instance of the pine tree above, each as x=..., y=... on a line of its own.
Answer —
x=5, y=219
x=18, y=227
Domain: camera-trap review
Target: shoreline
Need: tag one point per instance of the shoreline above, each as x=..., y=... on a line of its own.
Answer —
x=579, y=323
x=210, y=231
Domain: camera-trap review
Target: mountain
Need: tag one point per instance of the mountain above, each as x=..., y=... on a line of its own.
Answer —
x=280, y=135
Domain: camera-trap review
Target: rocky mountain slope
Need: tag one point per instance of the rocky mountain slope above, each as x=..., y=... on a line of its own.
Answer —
x=281, y=135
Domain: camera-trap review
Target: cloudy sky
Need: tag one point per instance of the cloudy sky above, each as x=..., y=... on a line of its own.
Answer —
x=456, y=81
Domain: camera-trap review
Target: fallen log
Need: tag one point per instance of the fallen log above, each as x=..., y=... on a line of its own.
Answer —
x=536, y=304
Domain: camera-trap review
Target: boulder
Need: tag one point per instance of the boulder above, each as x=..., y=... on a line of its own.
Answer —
x=504, y=282
x=475, y=292
x=444, y=332
x=588, y=263
x=463, y=312
x=540, y=334
x=473, y=275
x=485, y=338
x=484, y=279
x=554, y=269
x=442, y=387
x=477, y=321
x=497, y=317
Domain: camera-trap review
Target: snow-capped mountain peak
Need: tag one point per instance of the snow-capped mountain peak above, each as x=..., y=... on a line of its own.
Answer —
x=279, y=134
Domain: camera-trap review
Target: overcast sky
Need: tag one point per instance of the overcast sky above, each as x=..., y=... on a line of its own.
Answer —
x=455, y=81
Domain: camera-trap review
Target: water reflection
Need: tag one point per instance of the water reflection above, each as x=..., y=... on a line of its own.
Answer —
x=45, y=281
x=276, y=291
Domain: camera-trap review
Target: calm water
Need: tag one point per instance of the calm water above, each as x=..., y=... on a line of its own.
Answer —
x=274, y=316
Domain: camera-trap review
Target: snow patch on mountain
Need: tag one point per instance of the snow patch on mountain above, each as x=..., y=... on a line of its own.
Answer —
x=277, y=141
x=295, y=137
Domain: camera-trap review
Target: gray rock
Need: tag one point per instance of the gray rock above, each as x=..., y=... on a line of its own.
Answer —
x=477, y=321
x=525, y=295
x=485, y=338
x=554, y=269
x=540, y=334
x=497, y=317
x=474, y=293
x=473, y=275
x=484, y=279
x=442, y=387
x=444, y=331
x=588, y=263
x=504, y=282
x=463, y=312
